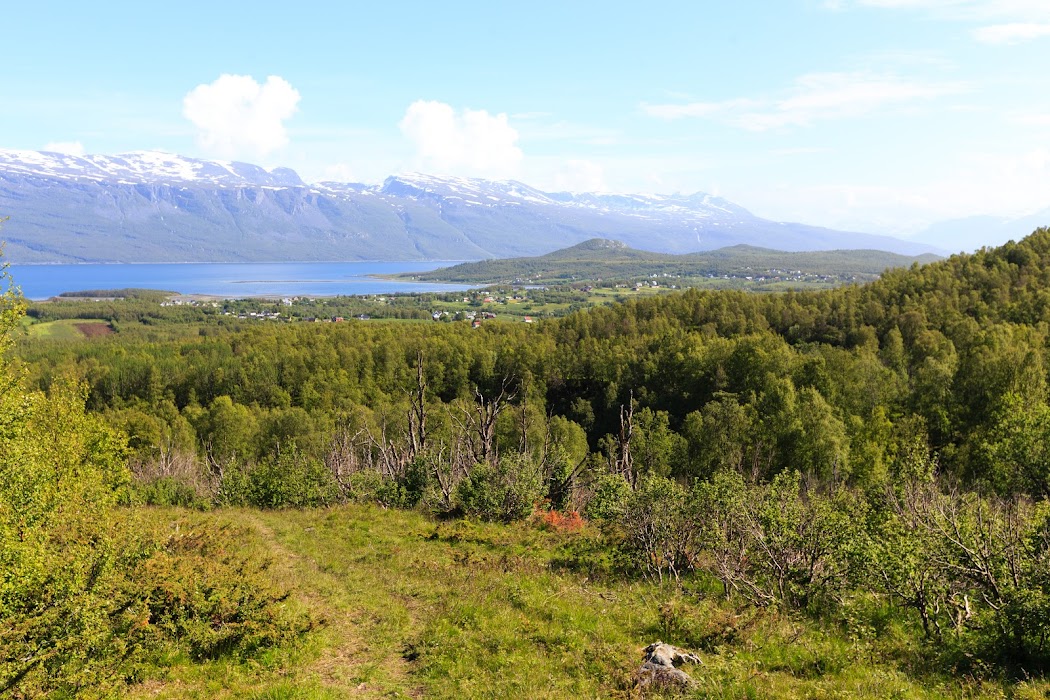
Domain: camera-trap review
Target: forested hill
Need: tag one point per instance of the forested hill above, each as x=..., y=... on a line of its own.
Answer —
x=960, y=344
x=608, y=260
x=952, y=344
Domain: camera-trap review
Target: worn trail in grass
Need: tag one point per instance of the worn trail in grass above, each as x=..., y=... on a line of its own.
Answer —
x=408, y=607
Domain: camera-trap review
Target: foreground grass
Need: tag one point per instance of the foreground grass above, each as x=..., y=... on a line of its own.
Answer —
x=407, y=607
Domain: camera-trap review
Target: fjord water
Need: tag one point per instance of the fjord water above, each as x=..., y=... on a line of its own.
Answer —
x=230, y=280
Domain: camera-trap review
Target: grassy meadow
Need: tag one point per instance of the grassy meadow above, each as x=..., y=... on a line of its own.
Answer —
x=68, y=329
x=403, y=606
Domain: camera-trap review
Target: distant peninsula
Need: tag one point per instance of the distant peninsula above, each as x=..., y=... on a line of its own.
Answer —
x=605, y=261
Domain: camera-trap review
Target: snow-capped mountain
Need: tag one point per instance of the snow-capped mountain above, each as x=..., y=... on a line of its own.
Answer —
x=475, y=192
x=144, y=167
x=156, y=207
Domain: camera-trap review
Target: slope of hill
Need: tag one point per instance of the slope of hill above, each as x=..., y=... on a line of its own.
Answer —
x=602, y=259
x=155, y=207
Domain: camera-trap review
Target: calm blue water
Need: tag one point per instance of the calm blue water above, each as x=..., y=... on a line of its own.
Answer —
x=232, y=280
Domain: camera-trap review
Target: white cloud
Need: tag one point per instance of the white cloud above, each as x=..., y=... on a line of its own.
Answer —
x=698, y=109
x=471, y=142
x=999, y=184
x=797, y=151
x=1003, y=21
x=71, y=148
x=580, y=176
x=970, y=10
x=236, y=116
x=814, y=97
x=1031, y=118
x=1014, y=33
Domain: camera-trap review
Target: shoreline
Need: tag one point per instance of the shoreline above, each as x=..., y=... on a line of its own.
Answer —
x=234, y=280
x=14, y=263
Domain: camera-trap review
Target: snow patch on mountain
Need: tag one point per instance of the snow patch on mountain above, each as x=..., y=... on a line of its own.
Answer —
x=144, y=167
x=155, y=167
x=147, y=205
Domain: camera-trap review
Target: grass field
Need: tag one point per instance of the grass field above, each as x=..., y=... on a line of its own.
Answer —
x=69, y=329
x=410, y=608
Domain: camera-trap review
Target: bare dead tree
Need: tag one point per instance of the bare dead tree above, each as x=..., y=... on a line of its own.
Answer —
x=624, y=464
x=389, y=454
x=216, y=473
x=523, y=422
x=450, y=465
x=478, y=422
x=347, y=454
x=444, y=474
x=417, y=413
x=392, y=455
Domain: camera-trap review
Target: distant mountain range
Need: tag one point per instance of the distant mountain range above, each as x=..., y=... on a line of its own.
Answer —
x=158, y=207
x=969, y=234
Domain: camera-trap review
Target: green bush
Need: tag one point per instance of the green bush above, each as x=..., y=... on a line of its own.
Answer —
x=288, y=479
x=201, y=590
x=502, y=492
x=168, y=491
x=611, y=492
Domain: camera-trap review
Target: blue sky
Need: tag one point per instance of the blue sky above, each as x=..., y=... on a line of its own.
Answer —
x=876, y=115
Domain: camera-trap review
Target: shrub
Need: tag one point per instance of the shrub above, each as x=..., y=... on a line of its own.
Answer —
x=557, y=521
x=168, y=491
x=288, y=479
x=658, y=528
x=611, y=492
x=503, y=492
x=200, y=589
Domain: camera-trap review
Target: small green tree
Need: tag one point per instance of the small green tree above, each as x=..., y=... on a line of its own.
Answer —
x=658, y=528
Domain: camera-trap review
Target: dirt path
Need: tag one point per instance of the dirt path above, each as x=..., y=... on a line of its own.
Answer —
x=347, y=664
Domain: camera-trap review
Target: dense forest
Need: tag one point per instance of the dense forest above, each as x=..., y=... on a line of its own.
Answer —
x=799, y=450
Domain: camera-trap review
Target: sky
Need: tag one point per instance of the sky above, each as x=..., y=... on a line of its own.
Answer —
x=871, y=115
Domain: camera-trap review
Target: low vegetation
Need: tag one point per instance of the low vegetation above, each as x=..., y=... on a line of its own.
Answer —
x=840, y=493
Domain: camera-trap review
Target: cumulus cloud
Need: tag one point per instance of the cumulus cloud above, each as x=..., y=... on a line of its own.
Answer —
x=236, y=115
x=469, y=142
x=580, y=176
x=814, y=97
x=70, y=148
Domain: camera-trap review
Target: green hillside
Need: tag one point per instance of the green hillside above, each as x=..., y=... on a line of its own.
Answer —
x=611, y=262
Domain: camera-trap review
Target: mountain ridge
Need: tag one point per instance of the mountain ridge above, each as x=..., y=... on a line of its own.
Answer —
x=148, y=206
